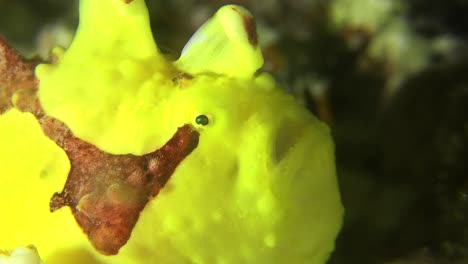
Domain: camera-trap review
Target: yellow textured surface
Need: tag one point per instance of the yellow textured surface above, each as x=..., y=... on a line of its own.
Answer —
x=32, y=168
x=221, y=46
x=110, y=80
x=259, y=188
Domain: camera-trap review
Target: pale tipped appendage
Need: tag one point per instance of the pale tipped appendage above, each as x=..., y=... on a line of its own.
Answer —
x=21, y=255
x=260, y=187
x=114, y=75
x=226, y=44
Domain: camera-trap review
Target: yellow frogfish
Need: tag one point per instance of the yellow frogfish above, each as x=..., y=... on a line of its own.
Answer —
x=126, y=156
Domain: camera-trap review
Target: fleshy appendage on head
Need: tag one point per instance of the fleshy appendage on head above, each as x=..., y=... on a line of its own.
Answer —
x=262, y=172
x=21, y=255
x=114, y=77
x=226, y=44
x=120, y=87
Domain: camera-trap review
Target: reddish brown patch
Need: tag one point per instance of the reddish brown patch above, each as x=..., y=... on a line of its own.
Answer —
x=105, y=192
x=249, y=25
x=15, y=73
x=181, y=79
x=128, y=1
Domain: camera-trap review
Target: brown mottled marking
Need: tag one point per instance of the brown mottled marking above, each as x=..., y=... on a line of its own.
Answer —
x=16, y=73
x=249, y=26
x=181, y=78
x=105, y=192
x=106, y=197
x=128, y=1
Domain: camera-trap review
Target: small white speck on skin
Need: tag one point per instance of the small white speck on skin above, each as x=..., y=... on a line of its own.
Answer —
x=265, y=204
x=197, y=259
x=269, y=240
x=222, y=261
x=217, y=216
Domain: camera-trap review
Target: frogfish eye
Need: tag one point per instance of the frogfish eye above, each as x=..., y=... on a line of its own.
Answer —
x=202, y=120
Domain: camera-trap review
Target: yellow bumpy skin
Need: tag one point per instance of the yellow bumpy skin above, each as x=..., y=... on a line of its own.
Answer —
x=32, y=169
x=260, y=187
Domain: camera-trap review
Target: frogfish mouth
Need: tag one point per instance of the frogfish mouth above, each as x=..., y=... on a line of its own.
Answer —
x=106, y=192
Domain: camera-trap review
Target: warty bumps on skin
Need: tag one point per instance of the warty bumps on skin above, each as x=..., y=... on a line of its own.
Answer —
x=134, y=158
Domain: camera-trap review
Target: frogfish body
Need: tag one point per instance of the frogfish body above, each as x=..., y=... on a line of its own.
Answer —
x=134, y=158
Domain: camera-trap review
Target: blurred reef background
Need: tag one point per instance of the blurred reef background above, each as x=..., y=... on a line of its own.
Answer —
x=389, y=77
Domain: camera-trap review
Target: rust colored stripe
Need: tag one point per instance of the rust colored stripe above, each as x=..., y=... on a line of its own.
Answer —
x=108, y=192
